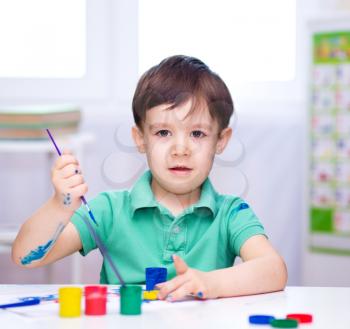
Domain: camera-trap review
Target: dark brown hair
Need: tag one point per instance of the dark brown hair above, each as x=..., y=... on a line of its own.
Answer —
x=177, y=79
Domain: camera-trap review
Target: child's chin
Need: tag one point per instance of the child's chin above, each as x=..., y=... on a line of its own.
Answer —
x=181, y=189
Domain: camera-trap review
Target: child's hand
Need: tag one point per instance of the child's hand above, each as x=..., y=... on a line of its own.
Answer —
x=187, y=282
x=68, y=181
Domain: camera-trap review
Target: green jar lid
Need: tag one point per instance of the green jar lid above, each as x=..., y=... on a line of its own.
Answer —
x=130, y=299
x=284, y=323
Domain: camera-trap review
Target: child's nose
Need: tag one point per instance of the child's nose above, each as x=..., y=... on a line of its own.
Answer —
x=180, y=149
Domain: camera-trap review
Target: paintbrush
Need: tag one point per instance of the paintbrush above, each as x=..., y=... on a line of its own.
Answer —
x=103, y=250
x=97, y=239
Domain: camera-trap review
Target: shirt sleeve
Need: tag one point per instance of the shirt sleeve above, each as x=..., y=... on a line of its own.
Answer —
x=101, y=209
x=243, y=224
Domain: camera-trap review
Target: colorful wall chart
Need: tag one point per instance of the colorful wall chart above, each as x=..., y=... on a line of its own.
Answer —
x=330, y=143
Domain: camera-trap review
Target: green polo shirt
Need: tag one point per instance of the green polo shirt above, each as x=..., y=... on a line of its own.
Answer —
x=139, y=232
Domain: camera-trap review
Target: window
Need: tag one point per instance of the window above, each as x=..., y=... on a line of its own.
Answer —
x=42, y=39
x=54, y=50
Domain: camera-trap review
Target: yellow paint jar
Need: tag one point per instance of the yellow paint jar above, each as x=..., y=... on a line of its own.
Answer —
x=70, y=301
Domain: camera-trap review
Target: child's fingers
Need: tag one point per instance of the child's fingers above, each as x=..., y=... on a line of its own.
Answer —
x=180, y=265
x=70, y=170
x=79, y=190
x=171, y=285
x=181, y=292
x=74, y=181
x=65, y=160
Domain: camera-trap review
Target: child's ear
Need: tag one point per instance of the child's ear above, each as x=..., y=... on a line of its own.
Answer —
x=138, y=138
x=224, y=138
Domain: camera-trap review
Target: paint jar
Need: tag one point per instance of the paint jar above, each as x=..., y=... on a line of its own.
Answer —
x=95, y=300
x=70, y=301
x=155, y=275
x=130, y=299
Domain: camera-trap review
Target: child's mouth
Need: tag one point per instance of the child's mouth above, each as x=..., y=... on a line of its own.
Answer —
x=180, y=170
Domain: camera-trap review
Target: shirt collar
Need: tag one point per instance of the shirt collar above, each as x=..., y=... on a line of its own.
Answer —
x=208, y=198
x=142, y=195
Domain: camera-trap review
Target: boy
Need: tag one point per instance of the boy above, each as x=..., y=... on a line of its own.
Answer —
x=172, y=217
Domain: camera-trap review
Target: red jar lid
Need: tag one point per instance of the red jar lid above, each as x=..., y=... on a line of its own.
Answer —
x=300, y=317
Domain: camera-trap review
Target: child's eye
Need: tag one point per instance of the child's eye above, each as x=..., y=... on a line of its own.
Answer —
x=163, y=133
x=198, y=134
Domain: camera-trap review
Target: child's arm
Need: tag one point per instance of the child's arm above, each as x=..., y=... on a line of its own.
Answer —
x=48, y=235
x=262, y=270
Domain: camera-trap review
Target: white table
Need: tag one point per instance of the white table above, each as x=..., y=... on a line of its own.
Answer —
x=329, y=307
x=77, y=143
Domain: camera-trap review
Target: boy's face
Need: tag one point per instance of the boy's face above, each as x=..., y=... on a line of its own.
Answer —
x=180, y=149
